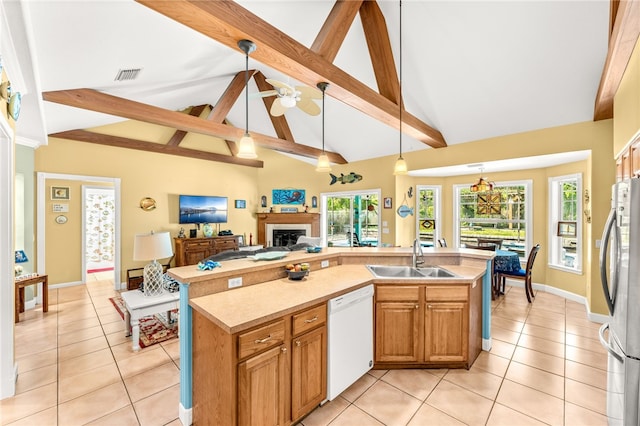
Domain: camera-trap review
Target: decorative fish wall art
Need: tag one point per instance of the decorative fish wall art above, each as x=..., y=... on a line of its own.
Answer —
x=350, y=178
x=404, y=211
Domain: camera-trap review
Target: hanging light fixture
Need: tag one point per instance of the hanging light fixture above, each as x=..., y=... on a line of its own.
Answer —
x=401, y=166
x=482, y=185
x=323, y=160
x=246, y=147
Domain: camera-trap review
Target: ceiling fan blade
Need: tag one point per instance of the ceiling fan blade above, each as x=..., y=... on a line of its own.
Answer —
x=266, y=93
x=309, y=92
x=277, y=109
x=287, y=89
x=308, y=106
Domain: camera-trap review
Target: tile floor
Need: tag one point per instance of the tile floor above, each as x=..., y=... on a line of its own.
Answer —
x=546, y=367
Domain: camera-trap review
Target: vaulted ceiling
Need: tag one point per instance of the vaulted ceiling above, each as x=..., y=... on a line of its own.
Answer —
x=470, y=70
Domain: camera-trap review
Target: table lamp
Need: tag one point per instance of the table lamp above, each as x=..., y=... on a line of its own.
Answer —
x=152, y=246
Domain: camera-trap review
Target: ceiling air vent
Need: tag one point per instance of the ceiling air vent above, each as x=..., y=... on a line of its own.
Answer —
x=128, y=74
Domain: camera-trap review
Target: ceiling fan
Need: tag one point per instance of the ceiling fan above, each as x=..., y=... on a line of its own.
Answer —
x=288, y=96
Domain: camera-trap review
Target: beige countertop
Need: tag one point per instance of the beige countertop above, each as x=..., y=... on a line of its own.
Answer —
x=242, y=308
x=191, y=274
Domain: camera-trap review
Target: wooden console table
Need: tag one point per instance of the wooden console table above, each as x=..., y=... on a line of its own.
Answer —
x=21, y=283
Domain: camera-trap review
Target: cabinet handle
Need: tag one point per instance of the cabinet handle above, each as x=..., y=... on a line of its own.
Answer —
x=311, y=320
x=297, y=342
x=283, y=350
x=417, y=306
x=429, y=306
x=266, y=339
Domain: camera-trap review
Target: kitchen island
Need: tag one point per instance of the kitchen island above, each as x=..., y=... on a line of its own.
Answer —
x=228, y=325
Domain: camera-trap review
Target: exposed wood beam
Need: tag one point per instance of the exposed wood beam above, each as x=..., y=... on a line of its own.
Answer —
x=179, y=135
x=335, y=29
x=280, y=123
x=108, y=104
x=227, y=22
x=624, y=36
x=229, y=97
x=120, y=142
x=231, y=145
x=384, y=66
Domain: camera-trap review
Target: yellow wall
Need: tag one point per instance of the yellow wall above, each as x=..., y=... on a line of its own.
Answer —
x=626, y=105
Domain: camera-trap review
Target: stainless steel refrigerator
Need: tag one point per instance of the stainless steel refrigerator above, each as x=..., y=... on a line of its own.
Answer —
x=620, y=275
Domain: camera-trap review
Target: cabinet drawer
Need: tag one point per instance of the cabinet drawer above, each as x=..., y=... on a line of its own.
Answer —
x=225, y=245
x=197, y=245
x=445, y=292
x=260, y=339
x=391, y=293
x=309, y=319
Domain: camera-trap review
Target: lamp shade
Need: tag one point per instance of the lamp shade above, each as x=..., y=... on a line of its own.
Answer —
x=401, y=167
x=152, y=246
x=323, y=163
x=246, y=147
x=482, y=186
x=21, y=256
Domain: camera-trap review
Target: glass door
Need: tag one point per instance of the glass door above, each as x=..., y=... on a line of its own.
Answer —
x=428, y=216
x=351, y=219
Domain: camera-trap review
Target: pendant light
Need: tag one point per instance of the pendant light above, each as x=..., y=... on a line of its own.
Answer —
x=323, y=160
x=482, y=185
x=401, y=166
x=246, y=147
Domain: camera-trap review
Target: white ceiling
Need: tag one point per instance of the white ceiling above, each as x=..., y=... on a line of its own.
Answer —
x=472, y=70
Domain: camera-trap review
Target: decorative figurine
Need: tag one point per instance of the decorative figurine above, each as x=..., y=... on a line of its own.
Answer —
x=181, y=233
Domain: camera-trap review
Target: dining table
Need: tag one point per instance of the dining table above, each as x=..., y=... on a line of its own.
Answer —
x=504, y=261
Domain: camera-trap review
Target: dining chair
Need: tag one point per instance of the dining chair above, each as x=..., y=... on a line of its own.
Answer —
x=522, y=274
x=496, y=241
x=442, y=242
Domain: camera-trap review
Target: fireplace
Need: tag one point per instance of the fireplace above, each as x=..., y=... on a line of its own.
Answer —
x=295, y=223
x=285, y=234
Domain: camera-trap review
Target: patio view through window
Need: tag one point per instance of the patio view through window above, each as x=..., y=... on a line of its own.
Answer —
x=352, y=219
x=565, y=205
x=497, y=216
x=428, y=225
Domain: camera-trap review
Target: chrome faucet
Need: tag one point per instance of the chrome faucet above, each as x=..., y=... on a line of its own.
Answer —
x=417, y=252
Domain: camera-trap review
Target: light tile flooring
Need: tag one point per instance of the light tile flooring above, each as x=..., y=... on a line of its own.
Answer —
x=546, y=367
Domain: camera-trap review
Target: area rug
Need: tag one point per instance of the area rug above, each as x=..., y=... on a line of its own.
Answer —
x=154, y=328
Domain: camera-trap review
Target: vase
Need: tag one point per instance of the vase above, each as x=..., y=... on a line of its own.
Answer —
x=207, y=230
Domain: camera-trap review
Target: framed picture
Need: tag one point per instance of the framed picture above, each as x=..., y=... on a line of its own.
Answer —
x=566, y=229
x=241, y=204
x=314, y=202
x=288, y=196
x=387, y=202
x=263, y=201
x=60, y=193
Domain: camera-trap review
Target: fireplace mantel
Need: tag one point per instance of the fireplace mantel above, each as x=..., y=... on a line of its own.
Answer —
x=265, y=219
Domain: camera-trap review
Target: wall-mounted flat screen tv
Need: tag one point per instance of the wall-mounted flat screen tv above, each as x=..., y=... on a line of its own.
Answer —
x=203, y=209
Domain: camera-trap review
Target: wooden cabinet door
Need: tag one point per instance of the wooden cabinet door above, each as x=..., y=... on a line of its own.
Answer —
x=262, y=384
x=308, y=371
x=397, y=332
x=446, y=331
x=195, y=251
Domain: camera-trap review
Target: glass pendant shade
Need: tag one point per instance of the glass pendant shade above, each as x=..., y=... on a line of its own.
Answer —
x=246, y=148
x=401, y=167
x=481, y=186
x=323, y=163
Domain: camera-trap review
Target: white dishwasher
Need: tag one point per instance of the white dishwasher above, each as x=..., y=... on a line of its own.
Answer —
x=350, y=339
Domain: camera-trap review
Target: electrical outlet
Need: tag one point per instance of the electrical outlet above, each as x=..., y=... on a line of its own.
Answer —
x=324, y=264
x=235, y=282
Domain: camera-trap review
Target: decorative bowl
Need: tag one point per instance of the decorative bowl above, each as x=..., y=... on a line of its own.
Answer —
x=315, y=249
x=297, y=275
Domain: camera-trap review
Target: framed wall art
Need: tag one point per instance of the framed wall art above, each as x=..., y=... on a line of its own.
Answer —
x=288, y=196
x=60, y=193
x=566, y=229
x=387, y=202
x=241, y=204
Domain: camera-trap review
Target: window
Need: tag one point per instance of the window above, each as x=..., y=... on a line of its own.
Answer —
x=565, y=231
x=351, y=218
x=428, y=215
x=501, y=216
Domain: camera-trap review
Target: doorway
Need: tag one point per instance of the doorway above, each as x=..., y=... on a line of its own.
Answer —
x=98, y=234
x=351, y=219
x=41, y=195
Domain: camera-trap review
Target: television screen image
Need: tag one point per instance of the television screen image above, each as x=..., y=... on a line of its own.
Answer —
x=203, y=209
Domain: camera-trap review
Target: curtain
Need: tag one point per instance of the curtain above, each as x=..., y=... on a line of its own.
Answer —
x=100, y=219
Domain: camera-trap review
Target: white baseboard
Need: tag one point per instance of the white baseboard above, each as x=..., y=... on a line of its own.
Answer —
x=486, y=344
x=599, y=318
x=185, y=415
x=69, y=284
